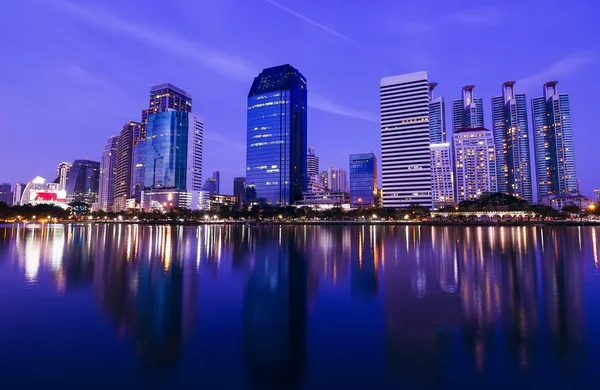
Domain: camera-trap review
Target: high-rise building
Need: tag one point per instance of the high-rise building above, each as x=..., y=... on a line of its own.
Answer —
x=124, y=165
x=108, y=174
x=276, y=154
x=83, y=182
x=62, y=172
x=173, y=160
x=363, y=180
x=337, y=179
x=511, y=138
x=217, y=177
x=553, y=140
x=474, y=163
x=163, y=97
x=437, y=117
x=442, y=177
x=6, y=195
x=442, y=183
x=312, y=162
x=210, y=186
x=17, y=193
x=405, y=151
x=239, y=190
x=467, y=112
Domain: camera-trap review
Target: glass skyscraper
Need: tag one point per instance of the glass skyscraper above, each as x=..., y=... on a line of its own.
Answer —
x=553, y=139
x=108, y=174
x=124, y=165
x=363, y=180
x=437, y=117
x=468, y=111
x=83, y=182
x=276, y=154
x=173, y=151
x=442, y=183
x=511, y=139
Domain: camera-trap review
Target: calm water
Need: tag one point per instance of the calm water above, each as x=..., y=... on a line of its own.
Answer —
x=311, y=307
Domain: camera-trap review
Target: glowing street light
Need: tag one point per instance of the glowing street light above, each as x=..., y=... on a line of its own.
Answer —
x=360, y=200
x=592, y=207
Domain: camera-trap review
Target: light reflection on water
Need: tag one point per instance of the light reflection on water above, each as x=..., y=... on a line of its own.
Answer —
x=311, y=306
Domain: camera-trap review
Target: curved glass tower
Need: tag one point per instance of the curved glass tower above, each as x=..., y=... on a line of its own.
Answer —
x=83, y=182
x=276, y=144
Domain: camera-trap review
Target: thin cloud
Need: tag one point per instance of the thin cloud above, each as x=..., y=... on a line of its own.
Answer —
x=225, y=64
x=82, y=75
x=478, y=17
x=566, y=66
x=313, y=22
x=324, y=104
x=224, y=140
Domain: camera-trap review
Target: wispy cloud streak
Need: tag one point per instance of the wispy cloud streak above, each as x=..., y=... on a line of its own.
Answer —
x=478, y=17
x=565, y=66
x=313, y=22
x=227, y=65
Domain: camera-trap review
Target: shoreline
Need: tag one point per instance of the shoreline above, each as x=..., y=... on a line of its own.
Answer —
x=265, y=224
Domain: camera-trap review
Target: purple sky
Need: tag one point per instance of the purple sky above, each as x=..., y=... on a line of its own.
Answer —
x=73, y=72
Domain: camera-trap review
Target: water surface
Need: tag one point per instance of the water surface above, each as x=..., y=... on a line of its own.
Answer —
x=306, y=307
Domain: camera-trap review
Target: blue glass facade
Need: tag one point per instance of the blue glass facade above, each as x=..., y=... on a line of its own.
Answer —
x=276, y=150
x=83, y=182
x=165, y=149
x=363, y=180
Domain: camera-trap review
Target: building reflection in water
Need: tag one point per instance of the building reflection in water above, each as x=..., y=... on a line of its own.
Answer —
x=275, y=300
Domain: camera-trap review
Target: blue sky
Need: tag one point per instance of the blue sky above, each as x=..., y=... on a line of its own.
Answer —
x=73, y=72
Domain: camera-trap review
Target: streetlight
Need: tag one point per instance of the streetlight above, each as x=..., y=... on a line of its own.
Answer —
x=360, y=200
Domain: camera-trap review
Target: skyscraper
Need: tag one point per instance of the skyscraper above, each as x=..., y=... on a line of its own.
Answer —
x=210, y=186
x=467, y=112
x=108, y=174
x=17, y=193
x=124, y=165
x=239, y=190
x=337, y=179
x=276, y=154
x=163, y=97
x=83, y=182
x=511, y=138
x=442, y=183
x=442, y=178
x=312, y=165
x=62, y=172
x=173, y=160
x=475, y=163
x=6, y=194
x=217, y=177
x=363, y=180
x=405, y=151
x=553, y=139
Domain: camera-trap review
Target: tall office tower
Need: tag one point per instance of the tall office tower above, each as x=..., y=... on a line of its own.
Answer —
x=468, y=111
x=437, y=117
x=405, y=151
x=62, y=172
x=239, y=190
x=17, y=193
x=124, y=165
x=312, y=162
x=83, y=182
x=337, y=179
x=553, y=140
x=474, y=163
x=442, y=184
x=276, y=154
x=217, y=177
x=6, y=194
x=108, y=174
x=442, y=178
x=363, y=180
x=511, y=138
x=173, y=164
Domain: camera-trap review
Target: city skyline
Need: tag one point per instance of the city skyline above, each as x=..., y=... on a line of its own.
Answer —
x=121, y=97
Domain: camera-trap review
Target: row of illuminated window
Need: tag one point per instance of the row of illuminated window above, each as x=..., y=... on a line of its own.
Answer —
x=266, y=143
x=266, y=104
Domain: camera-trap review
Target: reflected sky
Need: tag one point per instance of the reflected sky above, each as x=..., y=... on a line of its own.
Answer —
x=299, y=307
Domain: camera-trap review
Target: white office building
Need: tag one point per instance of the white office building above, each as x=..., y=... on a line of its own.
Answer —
x=442, y=178
x=405, y=142
x=474, y=163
